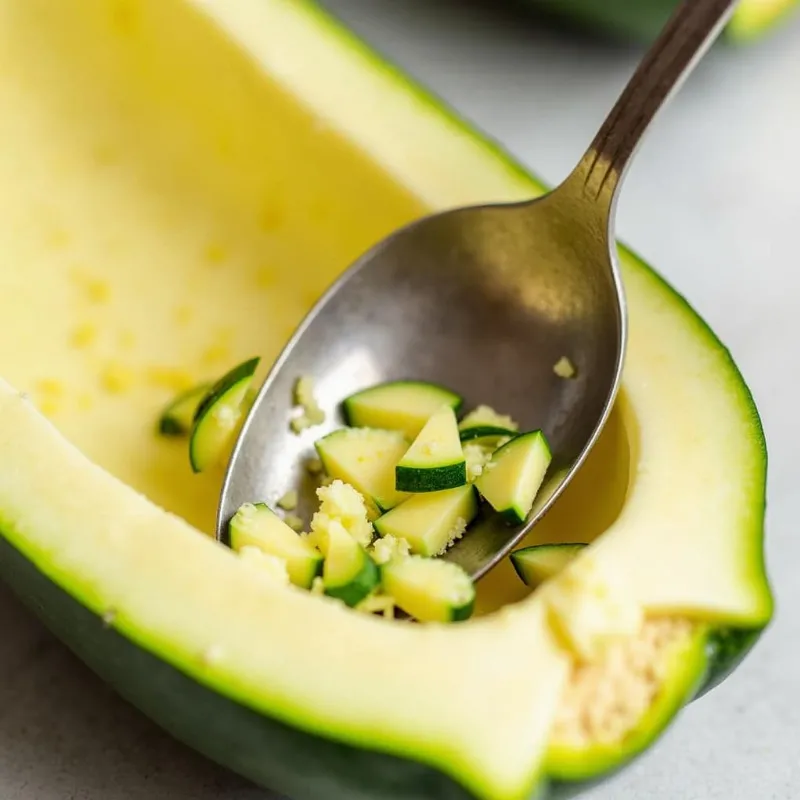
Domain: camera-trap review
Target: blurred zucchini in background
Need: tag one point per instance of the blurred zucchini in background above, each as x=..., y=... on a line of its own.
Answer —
x=641, y=20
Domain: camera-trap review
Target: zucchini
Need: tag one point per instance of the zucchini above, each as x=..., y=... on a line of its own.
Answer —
x=348, y=574
x=177, y=417
x=511, y=479
x=431, y=522
x=537, y=563
x=398, y=405
x=486, y=434
x=429, y=589
x=256, y=525
x=435, y=460
x=642, y=20
x=218, y=414
x=483, y=415
x=485, y=426
x=365, y=458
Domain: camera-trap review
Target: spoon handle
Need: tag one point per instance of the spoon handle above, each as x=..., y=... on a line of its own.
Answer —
x=685, y=38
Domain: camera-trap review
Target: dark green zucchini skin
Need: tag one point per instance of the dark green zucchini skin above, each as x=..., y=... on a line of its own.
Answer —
x=627, y=20
x=636, y=20
x=298, y=765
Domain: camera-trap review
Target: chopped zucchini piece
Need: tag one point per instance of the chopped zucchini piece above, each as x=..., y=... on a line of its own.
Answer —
x=431, y=522
x=398, y=405
x=486, y=433
x=365, y=458
x=536, y=564
x=429, y=589
x=255, y=525
x=349, y=574
x=513, y=476
x=435, y=460
x=177, y=417
x=218, y=414
x=564, y=368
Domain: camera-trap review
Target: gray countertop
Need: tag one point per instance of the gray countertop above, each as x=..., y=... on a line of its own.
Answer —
x=713, y=200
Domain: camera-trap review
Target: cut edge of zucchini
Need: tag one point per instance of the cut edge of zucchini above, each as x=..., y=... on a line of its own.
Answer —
x=435, y=460
x=177, y=417
x=486, y=432
x=540, y=562
x=349, y=574
x=430, y=589
x=514, y=497
x=218, y=414
x=392, y=405
x=257, y=525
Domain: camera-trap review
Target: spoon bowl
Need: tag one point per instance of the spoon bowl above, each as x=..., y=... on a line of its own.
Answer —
x=485, y=300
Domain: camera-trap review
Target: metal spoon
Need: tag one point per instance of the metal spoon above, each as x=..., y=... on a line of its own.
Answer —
x=484, y=300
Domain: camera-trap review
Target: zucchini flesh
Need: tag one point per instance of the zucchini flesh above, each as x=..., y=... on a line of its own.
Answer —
x=398, y=405
x=429, y=589
x=431, y=522
x=538, y=563
x=177, y=417
x=486, y=416
x=435, y=460
x=348, y=574
x=366, y=459
x=513, y=476
x=218, y=414
x=256, y=525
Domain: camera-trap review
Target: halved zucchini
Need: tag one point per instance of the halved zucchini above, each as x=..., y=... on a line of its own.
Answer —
x=435, y=460
x=431, y=522
x=256, y=525
x=218, y=414
x=429, y=589
x=398, y=405
x=511, y=479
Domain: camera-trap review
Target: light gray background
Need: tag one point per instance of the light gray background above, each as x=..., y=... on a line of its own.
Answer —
x=713, y=200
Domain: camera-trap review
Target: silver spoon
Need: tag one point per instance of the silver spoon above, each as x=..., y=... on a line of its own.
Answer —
x=484, y=300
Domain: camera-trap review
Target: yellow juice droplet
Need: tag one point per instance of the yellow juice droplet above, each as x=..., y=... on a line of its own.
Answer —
x=183, y=315
x=127, y=340
x=117, y=378
x=50, y=386
x=273, y=216
x=216, y=254
x=84, y=335
x=173, y=378
x=58, y=238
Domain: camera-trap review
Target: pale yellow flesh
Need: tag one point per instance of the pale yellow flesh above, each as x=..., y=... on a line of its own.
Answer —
x=163, y=235
x=426, y=521
x=396, y=407
x=429, y=589
x=273, y=536
x=514, y=475
x=437, y=444
x=366, y=462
